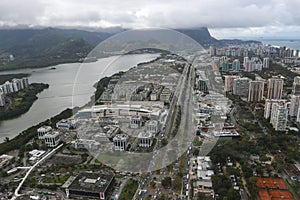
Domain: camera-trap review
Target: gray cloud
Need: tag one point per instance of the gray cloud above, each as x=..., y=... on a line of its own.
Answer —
x=247, y=16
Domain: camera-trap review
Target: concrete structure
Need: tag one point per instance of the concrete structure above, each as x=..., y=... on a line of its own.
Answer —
x=86, y=144
x=254, y=64
x=15, y=85
x=165, y=95
x=42, y=131
x=35, y=155
x=152, y=126
x=52, y=139
x=135, y=122
x=236, y=65
x=294, y=107
x=229, y=83
x=224, y=66
x=66, y=124
x=266, y=62
x=120, y=142
x=145, y=139
x=256, y=90
x=296, y=86
x=2, y=98
x=268, y=106
x=240, y=86
x=201, y=171
x=202, y=86
x=89, y=185
x=279, y=116
x=275, y=88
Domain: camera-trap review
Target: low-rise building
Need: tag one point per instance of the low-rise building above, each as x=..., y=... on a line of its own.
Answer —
x=52, y=139
x=86, y=144
x=201, y=171
x=90, y=185
x=66, y=124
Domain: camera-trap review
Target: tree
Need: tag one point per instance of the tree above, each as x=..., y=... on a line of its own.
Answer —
x=166, y=182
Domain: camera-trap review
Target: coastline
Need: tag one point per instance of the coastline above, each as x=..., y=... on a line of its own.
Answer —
x=27, y=97
x=28, y=132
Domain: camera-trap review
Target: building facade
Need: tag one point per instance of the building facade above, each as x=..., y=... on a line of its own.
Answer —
x=240, y=86
x=256, y=91
x=229, y=83
x=120, y=142
x=279, y=114
x=275, y=88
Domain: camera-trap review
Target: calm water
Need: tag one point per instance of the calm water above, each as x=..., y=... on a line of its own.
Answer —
x=70, y=85
x=292, y=44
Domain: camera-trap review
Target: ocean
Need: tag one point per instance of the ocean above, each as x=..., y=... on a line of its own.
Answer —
x=289, y=43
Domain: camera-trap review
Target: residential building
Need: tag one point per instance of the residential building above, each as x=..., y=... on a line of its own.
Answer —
x=275, y=88
x=256, y=90
x=279, y=114
x=236, y=65
x=268, y=106
x=120, y=142
x=224, y=66
x=212, y=51
x=52, y=139
x=240, y=86
x=294, y=107
x=2, y=98
x=229, y=83
x=266, y=62
x=89, y=185
x=296, y=86
x=202, y=86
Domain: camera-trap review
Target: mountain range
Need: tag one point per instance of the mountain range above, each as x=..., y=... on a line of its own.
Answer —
x=50, y=46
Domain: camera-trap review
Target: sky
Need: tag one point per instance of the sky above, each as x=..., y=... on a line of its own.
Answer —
x=224, y=18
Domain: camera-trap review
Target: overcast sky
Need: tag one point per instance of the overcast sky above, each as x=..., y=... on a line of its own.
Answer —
x=224, y=18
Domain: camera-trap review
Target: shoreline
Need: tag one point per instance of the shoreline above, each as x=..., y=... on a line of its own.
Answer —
x=67, y=112
x=28, y=97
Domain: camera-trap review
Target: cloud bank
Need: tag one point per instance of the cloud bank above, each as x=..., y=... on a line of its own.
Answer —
x=245, y=17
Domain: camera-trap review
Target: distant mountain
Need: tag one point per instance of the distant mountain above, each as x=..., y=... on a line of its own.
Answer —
x=39, y=42
x=50, y=46
x=201, y=35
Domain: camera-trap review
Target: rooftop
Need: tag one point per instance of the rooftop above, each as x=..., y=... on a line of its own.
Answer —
x=91, y=182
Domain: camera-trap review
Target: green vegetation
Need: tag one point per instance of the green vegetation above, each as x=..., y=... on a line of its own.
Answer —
x=222, y=186
x=20, y=141
x=45, y=47
x=21, y=101
x=166, y=182
x=129, y=190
